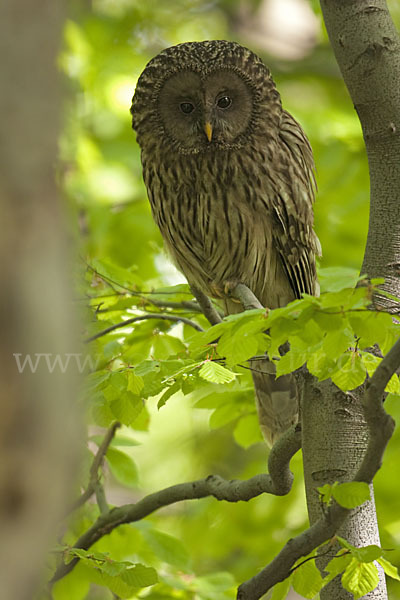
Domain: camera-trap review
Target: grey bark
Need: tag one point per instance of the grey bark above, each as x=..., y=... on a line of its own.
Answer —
x=367, y=48
x=37, y=425
x=335, y=436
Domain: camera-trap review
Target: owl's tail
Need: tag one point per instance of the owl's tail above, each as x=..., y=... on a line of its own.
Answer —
x=276, y=399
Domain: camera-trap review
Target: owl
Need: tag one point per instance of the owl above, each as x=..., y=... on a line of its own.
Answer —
x=230, y=178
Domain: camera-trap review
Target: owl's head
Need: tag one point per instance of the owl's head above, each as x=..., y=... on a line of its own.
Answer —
x=204, y=96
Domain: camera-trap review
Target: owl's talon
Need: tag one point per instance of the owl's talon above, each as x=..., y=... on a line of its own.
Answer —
x=229, y=287
x=223, y=290
x=216, y=289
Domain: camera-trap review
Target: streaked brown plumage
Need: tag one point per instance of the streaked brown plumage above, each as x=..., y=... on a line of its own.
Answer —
x=229, y=175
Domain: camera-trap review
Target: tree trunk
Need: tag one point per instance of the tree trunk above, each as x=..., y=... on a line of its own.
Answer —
x=367, y=48
x=335, y=437
x=38, y=424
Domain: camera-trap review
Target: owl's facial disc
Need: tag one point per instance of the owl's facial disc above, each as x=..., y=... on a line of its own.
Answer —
x=203, y=112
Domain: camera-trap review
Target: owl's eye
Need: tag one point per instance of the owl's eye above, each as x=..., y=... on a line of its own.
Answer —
x=224, y=102
x=186, y=107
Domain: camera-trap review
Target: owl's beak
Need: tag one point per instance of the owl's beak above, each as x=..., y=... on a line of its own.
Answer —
x=208, y=130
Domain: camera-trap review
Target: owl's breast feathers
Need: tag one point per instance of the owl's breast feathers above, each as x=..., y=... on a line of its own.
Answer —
x=242, y=216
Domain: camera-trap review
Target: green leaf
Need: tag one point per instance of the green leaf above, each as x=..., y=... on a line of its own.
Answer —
x=393, y=386
x=359, y=578
x=126, y=407
x=307, y=580
x=146, y=367
x=329, y=321
x=364, y=554
x=127, y=582
x=121, y=440
x=167, y=548
x=389, y=569
x=135, y=382
x=370, y=362
x=334, y=279
x=224, y=414
x=122, y=467
x=326, y=492
x=74, y=585
x=114, y=273
x=102, y=414
x=97, y=380
x=367, y=553
x=237, y=347
x=351, y=372
x=247, y=431
x=281, y=590
x=345, y=543
x=320, y=365
x=140, y=576
x=291, y=361
x=166, y=345
x=169, y=392
x=216, y=586
x=370, y=327
x=337, y=565
x=216, y=373
x=351, y=494
x=337, y=342
x=345, y=299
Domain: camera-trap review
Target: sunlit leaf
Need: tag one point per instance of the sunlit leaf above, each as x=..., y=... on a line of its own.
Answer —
x=351, y=372
x=389, y=569
x=307, y=580
x=281, y=590
x=216, y=373
x=359, y=578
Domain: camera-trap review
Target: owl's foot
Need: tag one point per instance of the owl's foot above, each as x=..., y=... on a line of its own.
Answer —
x=223, y=290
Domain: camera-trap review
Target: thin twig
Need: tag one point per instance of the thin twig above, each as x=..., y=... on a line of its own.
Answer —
x=101, y=498
x=96, y=464
x=159, y=316
x=111, y=282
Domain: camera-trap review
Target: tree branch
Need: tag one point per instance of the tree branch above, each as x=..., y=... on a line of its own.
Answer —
x=247, y=298
x=207, y=307
x=144, y=296
x=160, y=317
x=381, y=426
x=94, y=483
x=279, y=459
x=187, y=305
x=279, y=482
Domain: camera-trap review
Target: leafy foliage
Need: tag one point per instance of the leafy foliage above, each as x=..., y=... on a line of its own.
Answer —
x=357, y=567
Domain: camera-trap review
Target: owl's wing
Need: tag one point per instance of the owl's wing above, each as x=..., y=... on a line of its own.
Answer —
x=293, y=235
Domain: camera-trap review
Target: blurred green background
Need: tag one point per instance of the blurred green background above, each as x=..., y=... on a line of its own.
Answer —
x=107, y=44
